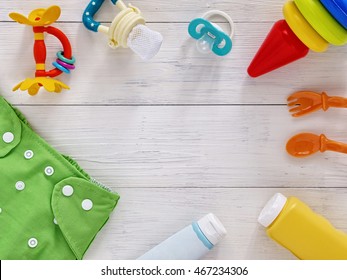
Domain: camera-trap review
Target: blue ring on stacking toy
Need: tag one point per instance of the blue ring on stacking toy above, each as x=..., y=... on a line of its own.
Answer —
x=338, y=9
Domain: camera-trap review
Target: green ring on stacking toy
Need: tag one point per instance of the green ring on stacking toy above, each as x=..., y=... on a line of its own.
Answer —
x=322, y=21
x=300, y=26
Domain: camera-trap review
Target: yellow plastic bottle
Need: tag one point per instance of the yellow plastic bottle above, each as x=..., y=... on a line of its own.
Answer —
x=309, y=236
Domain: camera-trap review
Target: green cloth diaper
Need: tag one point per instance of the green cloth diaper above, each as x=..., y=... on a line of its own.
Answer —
x=49, y=207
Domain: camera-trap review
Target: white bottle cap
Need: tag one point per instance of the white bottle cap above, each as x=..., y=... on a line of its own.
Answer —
x=272, y=209
x=212, y=228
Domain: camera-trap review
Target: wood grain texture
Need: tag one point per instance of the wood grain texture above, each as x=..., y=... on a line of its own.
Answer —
x=183, y=134
x=192, y=146
x=156, y=10
x=177, y=75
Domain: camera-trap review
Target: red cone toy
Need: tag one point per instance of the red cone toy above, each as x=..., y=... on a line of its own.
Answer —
x=280, y=47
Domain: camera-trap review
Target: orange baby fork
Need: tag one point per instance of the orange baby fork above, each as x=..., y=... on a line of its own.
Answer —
x=306, y=144
x=306, y=102
x=40, y=19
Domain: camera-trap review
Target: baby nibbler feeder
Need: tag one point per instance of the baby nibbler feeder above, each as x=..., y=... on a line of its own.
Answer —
x=40, y=19
x=128, y=29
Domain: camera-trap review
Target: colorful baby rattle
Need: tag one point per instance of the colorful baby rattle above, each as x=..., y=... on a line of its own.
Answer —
x=308, y=24
x=40, y=19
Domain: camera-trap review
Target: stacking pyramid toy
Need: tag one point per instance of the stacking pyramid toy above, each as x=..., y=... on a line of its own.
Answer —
x=308, y=24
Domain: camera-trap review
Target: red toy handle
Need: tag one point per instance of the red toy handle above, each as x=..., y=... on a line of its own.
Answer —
x=40, y=51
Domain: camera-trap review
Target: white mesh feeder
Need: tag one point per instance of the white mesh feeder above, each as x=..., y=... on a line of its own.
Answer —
x=127, y=30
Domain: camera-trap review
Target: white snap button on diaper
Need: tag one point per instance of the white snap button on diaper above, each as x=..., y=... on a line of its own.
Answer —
x=8, y=137
x=28, y=154
x=20, y=185
x=32, y=242
x=49, y=170
x=87, y=204
x=67, y=190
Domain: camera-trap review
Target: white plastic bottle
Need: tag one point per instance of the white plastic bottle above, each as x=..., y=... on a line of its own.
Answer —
x=190, y=243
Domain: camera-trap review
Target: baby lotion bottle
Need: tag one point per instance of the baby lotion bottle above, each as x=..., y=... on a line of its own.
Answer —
x=191, y=243
x=309, y=236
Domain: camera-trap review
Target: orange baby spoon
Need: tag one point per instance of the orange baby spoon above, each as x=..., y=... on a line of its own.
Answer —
x=306, y=144
x=305, y=102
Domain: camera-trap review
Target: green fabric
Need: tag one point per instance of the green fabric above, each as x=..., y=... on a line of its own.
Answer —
x=30, y=212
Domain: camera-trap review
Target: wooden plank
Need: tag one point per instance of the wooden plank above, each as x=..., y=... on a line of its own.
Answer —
x=144, y=218
x=189, y=146
x=178, y=75
x=155, y=10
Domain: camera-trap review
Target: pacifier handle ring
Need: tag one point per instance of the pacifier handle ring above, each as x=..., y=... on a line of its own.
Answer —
x=212, y=13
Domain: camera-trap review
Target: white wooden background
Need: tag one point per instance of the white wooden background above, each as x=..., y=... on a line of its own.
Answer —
x=184, y=134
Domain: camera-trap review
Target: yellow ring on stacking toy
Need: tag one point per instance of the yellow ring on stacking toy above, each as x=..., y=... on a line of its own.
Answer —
x=300, y=26
x=322, y=21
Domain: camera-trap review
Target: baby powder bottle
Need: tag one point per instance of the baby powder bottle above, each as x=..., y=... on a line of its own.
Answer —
x=309, y=236
x=191, y=243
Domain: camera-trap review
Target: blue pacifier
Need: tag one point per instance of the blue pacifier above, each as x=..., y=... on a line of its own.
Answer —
x=210, y=37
